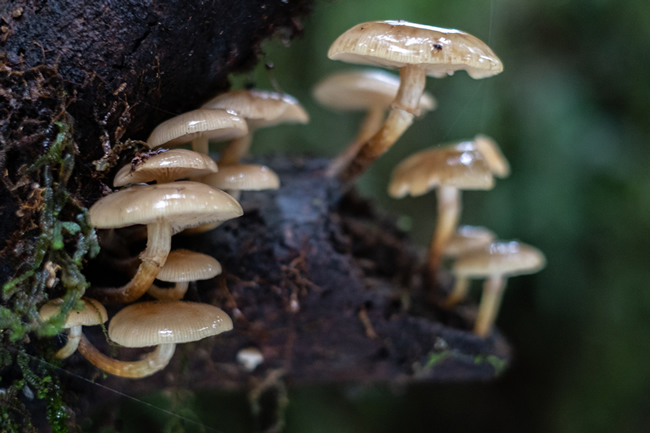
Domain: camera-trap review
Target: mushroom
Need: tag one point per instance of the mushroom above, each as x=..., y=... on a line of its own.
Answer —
x=92, y=313
x=161, y=324
x=370, y=90
x=166, y=167
x=261, y=109
x=490, y=149
x=451, y=169
x=466, y=239
x=417, y=51
x=198, y=127
x=496, y=263
x=181, y=267
x=165, y=209
x=250, y=358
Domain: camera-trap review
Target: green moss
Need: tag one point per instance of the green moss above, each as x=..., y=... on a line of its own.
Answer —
x=436, y=358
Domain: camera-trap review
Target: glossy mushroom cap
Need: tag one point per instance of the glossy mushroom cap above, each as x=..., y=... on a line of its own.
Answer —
x=493, y=155
x=93, y=313
x=395, y=44
x=362, y=90
x=243, y=177
x=459, y=165
x=260, y=107
x=154, y=323
x=170, y=165
x=468, y=238
x=184, y=204
x=219, y=125
x=184, y=266
x=500, y=258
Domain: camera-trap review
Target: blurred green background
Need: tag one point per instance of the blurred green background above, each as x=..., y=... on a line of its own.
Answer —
x=572, y=114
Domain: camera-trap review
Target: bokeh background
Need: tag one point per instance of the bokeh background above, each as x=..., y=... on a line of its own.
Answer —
x=572, y=114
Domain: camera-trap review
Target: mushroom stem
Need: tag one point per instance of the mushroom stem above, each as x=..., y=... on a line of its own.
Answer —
x=201, y=145
x=237, y=149
x=175, y=293
x=71, y=346
x=490, y=302
x=150, y=364
x=400, y=118
x=152, y=260
x=370, y=125
x=449, y=208
x=459, y=292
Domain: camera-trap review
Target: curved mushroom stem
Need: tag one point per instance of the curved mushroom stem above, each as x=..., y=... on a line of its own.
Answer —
x=152, y=260
x=237, y=149
x=150, y=364
x=404, y=108
x=71, y=346
x=201, y=145
x=490, y=302
x=175, y=293
x=449, y=208
x=459, y=292
x=371, y=124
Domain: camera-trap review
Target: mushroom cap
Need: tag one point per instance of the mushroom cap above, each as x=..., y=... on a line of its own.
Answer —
x=164, y=322
x=243, y=177
x=395, y=44
x=184, y=204
x=468, y=238
x=363, y=89
x=93, y=313
x=493, y=155
x=172, y=164
x=261, y=107
x=459, y=165
x=184, y=265
x=500, y=258
x=219, y=125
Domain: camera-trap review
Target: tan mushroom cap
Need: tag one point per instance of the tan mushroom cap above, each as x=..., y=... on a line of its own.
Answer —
x=260, y=107
x=167, y=322
x=493, y=155
x=361, y=90
x=395, y=44
x=459, y=165
x=184, y=204
x=172, y=165
x=500, y=258
x=243, y=177
x=468, y=238
x=219, y=125
x=93, y=313
x=184, y=265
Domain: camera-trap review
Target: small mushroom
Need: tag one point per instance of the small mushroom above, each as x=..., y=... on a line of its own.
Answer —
x=250, y=358
x=161, y=324
x=496, y=160
x=496, y=263
x=198, y=127
x=92, y=313
x=417, y=51
x=450, y=169
x=465, y=240
x=166, y=167
x=260, y=108
x=370, y=90
x=165, y=209
x=181, y=267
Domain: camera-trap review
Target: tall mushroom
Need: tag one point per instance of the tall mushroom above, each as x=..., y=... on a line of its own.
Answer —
x=198, y=127
x=161, y=324
x=182, y=267
x=260, y=108
x=92, y=313
x=166, y=167
x=165, y=209
x=450, y=169
x=417, y=51
x=369, y=90
x=496, y=263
